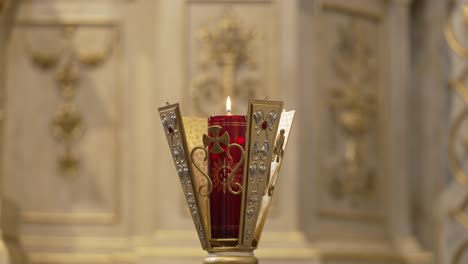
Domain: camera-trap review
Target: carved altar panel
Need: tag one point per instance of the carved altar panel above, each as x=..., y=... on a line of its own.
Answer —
x=63, y=108
x=231, y=51
x=353, y=140
x=350, y=157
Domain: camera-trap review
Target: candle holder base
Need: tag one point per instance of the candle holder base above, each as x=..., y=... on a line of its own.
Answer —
x=231, y=258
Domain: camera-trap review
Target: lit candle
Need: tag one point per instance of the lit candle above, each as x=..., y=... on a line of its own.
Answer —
x=228, y=106
x=225, y=199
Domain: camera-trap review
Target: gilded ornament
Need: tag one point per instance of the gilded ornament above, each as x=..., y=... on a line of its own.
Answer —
x=217, y=140
x=45, y=61
x=229, y=43
x=457, y=47
x=225, y=49
x=68, y=163
x=68, y=123
x=262, y=130
x=354, y=106
x=95, y=59
x=171, y=120
x=256, y=200
x=458, y=84
x=458, y=138
x=206, y=188
x=67, y=81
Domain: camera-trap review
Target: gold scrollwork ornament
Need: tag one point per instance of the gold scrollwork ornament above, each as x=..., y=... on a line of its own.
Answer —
x=454, y=162
x=449, y=32
x=214, y=142
x=209, y=184
x=458, y=84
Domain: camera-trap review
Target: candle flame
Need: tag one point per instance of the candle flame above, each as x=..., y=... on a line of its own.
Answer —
x=228, y=105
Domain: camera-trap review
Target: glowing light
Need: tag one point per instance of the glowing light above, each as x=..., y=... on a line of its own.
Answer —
x=228, y=105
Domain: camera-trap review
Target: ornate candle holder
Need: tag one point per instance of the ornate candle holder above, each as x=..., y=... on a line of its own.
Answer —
x=192, y=143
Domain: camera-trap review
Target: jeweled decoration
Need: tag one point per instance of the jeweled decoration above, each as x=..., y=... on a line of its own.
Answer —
x=229, y=178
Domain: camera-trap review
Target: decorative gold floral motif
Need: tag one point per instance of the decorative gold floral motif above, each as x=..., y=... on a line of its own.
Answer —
x=68, y=162
x=458, y=137
x=225, y=49
x=67, y=81
x=226, y=175
x=354, y=105
x=44, y=61
x=221, y=172
x=68, y=124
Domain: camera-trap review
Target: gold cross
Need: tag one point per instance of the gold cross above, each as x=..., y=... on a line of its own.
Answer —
x=217, y=139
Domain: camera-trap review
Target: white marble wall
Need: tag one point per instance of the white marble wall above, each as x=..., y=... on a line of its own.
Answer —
x=344, y=194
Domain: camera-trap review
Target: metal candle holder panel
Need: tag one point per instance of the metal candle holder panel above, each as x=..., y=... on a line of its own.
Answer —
x=267, y=132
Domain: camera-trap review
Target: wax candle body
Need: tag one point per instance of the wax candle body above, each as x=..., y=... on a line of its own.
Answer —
x=225, y=206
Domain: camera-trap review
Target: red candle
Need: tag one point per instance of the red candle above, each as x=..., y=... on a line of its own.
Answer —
x=225, y=199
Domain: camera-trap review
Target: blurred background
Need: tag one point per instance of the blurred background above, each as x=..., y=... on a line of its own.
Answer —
x=376, y=170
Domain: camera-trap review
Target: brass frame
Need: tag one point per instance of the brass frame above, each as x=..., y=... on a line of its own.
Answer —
x=175, y=134
x=263, y=122
x=257, y=114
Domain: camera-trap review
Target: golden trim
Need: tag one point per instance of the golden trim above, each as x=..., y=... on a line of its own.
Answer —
x=172, y=122
x=459, y=213
x=450, y=36
x=209, y=184
x=458, y=84
x=284, y=127
x=454, y=163
x=263, y=119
